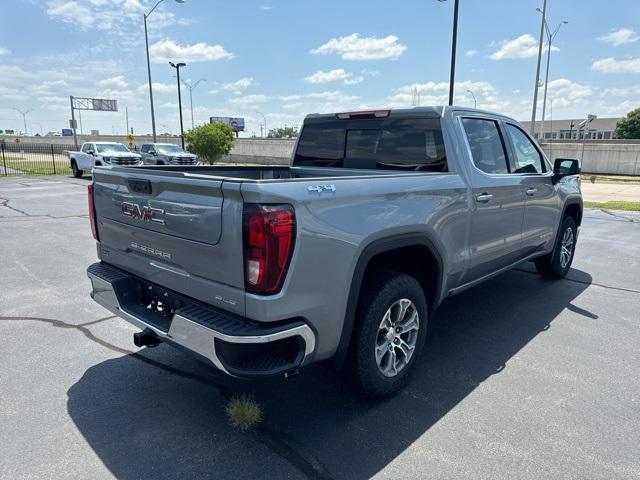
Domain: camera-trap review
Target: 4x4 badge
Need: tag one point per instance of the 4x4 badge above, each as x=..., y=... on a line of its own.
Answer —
x=321, y=188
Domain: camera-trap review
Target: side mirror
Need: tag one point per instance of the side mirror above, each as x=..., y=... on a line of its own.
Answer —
x=153, y=152
x=91, y=152
x=565, y=167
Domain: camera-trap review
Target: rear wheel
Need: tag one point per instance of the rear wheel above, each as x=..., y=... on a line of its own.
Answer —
x=389, y=334
x=557, y=263
x=76, y=171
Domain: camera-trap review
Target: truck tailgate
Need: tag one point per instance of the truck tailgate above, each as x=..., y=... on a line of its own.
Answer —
x=169, y=229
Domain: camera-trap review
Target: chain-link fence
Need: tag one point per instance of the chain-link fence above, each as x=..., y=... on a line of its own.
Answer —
x=34, y=159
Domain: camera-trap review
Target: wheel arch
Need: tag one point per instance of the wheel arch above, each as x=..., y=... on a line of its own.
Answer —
x=574, y=208
x=378, y=254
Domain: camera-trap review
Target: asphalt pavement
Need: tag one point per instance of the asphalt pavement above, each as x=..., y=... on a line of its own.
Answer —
x=521, y=377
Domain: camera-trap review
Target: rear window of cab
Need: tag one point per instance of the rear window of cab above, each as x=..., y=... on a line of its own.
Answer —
x=414, y=144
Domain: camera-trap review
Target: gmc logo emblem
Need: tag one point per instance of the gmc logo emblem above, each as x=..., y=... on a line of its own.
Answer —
x=146, y=213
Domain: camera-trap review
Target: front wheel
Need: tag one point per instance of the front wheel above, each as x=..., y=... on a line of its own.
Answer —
x=77, y=173
x=557, y=263
x=389, y=334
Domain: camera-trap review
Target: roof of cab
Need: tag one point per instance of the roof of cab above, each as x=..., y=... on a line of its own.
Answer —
x=439, y=111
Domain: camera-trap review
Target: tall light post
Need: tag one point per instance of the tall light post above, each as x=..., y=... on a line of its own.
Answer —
x=550, y=36
x=475, y=103
x=177, y=67
x=24, y=118
x=536, y=85
x=265, y=122
x=454, y=42
x=146, y=41
x=192, y=87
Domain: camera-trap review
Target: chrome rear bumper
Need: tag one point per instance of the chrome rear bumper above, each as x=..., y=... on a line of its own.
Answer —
x=235, y=346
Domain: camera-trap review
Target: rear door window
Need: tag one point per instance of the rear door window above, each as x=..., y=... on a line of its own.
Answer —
x=526, y=158
x=487, y=148
x=392, y=144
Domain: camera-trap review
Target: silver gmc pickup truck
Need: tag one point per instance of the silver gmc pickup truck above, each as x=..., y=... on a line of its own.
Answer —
x=342, y=256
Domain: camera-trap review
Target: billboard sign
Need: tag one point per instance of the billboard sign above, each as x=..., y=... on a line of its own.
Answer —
x=236, y=123
x=67, y=132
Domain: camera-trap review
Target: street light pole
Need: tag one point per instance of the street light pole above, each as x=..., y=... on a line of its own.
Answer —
x=146, y=41
x=191, y=88
x=24, y=118
x=535, y=88
x=454, y=42
x=177, y=67
x=265, y=122
x=550, y=36
x=475, y=103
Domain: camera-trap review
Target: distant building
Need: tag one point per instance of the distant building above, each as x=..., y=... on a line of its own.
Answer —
x=599, y=129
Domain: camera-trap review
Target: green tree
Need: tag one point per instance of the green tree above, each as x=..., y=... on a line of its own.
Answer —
x=629, y=127
x=210, y=141
x=283, y=132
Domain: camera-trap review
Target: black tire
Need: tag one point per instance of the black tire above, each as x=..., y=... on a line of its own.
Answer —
x=379, y=296
x=77, y=173
x=555, y=264
x=160, y=162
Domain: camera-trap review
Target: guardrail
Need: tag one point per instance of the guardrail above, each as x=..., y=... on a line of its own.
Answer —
x=18, y=159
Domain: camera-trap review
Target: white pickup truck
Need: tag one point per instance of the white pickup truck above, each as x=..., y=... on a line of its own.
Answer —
x=101, y=154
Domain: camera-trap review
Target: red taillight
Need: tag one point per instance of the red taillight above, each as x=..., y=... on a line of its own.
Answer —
x=92, y=211
x=269, y=236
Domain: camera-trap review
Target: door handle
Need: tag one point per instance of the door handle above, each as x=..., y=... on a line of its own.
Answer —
x=484, y=197
x=531, y=191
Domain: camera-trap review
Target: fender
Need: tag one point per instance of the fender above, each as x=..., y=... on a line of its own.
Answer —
x=572, y=201
x=374, y=248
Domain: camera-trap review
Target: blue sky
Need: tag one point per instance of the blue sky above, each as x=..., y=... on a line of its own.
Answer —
x=288, y=58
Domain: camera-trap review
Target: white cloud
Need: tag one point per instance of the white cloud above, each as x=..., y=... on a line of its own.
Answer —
x=71, y=12
x=4, y=51
x=354, y=47
x=565, y=93
x=332, y=95
x=620, y=37
x=266, y=7
x=437, y=93
x=13, y=71
x=613, y=65
x=120, y=18
x=158, y=87
x=471, y=53
x=167, y=51
x=622, y=92
x=525, y=46
x=48, y=86
x=247, y=101
x=238, y=84
x=337, y=75
x=7, y=93
x=117, y=82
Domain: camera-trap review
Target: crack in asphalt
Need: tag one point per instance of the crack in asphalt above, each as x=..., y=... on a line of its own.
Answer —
x=4, y=202
x=307, y=464
x=40, y=217
x=615, y=215
x=582, y=282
